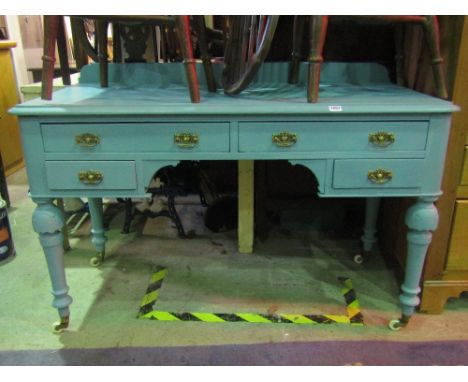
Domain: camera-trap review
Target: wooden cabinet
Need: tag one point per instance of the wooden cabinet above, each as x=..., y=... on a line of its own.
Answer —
x=446, y=270
x=10, y=144
x=458, y=250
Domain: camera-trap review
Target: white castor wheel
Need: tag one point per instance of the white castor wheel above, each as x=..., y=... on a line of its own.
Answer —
x=96, y=261
x=358, y=258
x=395, y=325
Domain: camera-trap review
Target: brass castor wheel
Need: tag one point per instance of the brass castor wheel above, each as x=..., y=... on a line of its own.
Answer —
x=59, y=326
x=396, y=325
x=96, y=261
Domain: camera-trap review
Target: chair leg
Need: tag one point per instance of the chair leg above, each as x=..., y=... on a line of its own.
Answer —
x=62, y=51
x=183, y=30
x=101, y=27
x=200, y=28
x=431, y=32
x=399, y=54
x=51, y=24
x=116, y=44
x=317, y=33
x=298, y=34
x=81, y=58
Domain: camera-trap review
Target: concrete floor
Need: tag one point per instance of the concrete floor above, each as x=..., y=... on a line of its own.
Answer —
x=293, y=271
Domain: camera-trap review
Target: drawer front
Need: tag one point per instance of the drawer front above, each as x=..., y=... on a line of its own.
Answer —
x=333, y=136
x=84, y=175
x=464, y=177
x=458, y=250
x=375, y=173
x=136, y=137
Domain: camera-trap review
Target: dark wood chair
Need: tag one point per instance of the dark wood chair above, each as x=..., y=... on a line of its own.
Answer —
x=54, y=33
x=249, y=39
x=317, y=35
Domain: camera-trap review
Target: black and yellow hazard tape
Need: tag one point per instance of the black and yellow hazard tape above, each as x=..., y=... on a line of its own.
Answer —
x=353, y=317
x=152, y=291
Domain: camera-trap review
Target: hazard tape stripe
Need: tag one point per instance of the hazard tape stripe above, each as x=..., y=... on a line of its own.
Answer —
x=149, y=300
x=352, y=303
x=246, y=317
x=152, y=292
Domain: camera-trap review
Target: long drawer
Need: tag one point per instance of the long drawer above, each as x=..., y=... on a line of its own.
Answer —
x=136, y=137
x=306, y=136
x=377, y=173
x=83, y=175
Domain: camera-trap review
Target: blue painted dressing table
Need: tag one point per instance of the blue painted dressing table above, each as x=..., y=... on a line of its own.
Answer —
x=366, y=137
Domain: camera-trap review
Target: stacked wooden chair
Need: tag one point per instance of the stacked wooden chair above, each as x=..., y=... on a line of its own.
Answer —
x=249, y=39
x=54, y=33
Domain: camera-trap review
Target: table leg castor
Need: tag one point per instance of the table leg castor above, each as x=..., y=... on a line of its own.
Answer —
x=362, y=257
x=397, y=324
x=97, y=260
x=60, y=326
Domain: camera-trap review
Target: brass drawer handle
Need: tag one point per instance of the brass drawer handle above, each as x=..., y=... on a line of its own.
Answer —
x=186, y=140
x=380, y=176
x=382, y=138
x=90, y=177
x=284, y=139
x=87, y=140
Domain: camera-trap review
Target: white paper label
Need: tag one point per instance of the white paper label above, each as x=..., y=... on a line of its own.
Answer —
x=335, y=108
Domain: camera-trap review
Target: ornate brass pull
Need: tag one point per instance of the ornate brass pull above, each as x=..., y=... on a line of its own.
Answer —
x=380, y=176
x=284, y=139
x=90, y=177
x=87, y=140
x=186, y=140
x=382, y=138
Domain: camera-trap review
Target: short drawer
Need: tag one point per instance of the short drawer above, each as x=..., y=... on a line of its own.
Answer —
x=306, y=136
x=136, y=137
x=375, y=173
x=464, y=176
x=83, y=175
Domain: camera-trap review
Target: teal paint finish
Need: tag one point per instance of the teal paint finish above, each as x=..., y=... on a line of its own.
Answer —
x=353, y=173
x=139, y=137
x=98, y=237
x=156, y=90
x=48, y=222
x=116, y=175
x=328, y=136
x=318, y=167
x=370, y=224
x=145, y=105
x=421, y=218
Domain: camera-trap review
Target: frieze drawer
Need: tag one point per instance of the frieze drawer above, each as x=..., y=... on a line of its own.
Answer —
x=327, y=136
x=136, y=137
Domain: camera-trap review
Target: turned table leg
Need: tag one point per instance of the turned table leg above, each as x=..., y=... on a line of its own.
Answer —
x=370, y=228
x=48, y=221
x=421, y=219
x=97, y=231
